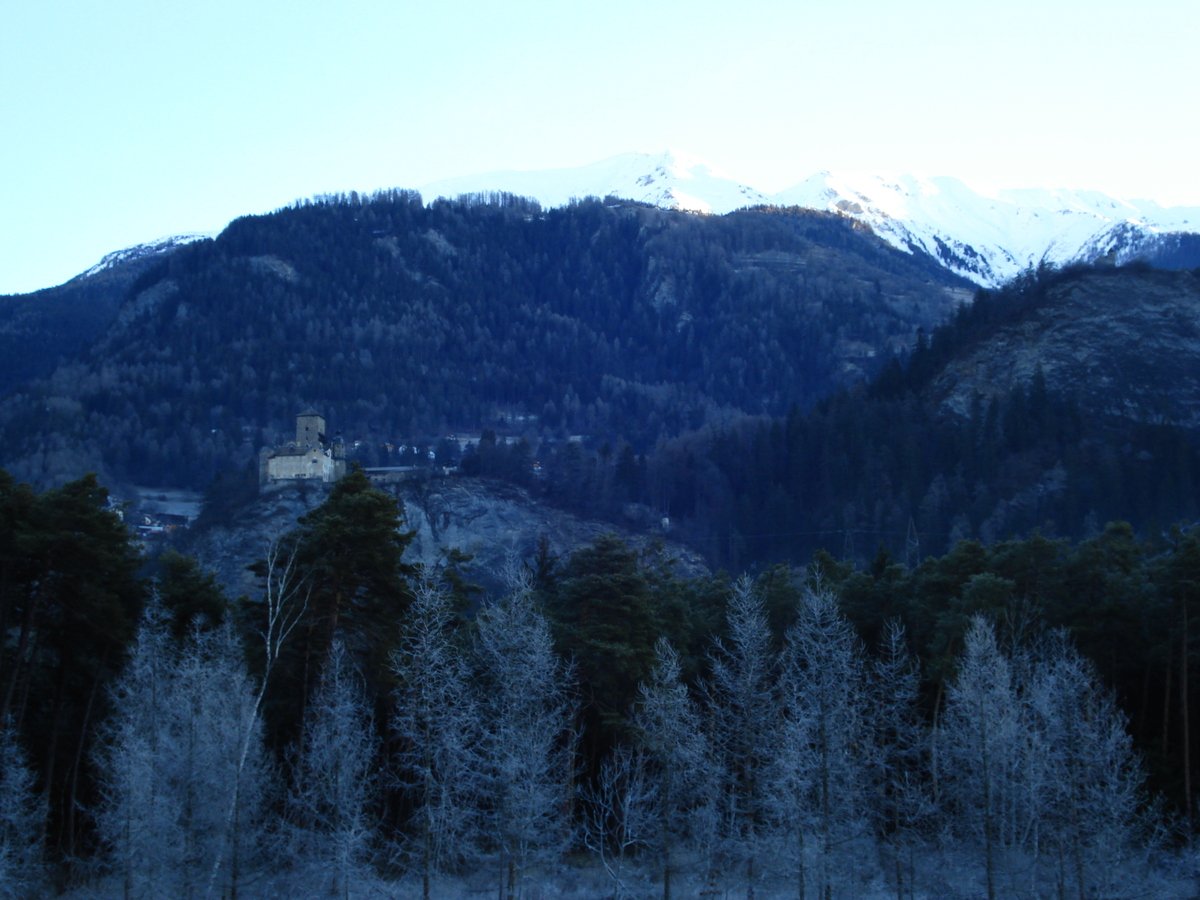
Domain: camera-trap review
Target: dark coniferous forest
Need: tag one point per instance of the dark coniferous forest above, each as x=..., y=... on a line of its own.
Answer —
x=400, y=321
x=959, y=662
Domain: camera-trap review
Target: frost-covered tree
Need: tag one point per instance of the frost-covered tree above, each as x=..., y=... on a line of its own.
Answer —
x=437, y=724
x=983, y=745
x=1091, y=787
x=902, y=802
x=820, y=771
x=138, y=818
x=21, y=817
x=744, y=719
x=226, y=775
x=619, y=812
x=333, y=781
x=184, y=769
x=669, y=727
x=527, y=743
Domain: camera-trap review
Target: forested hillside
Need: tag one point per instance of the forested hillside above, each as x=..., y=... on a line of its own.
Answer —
x=40, y=330
x=400, y=320
x=1064, y=401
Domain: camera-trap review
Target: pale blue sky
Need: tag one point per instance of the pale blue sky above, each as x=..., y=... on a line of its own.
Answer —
x=124, y=121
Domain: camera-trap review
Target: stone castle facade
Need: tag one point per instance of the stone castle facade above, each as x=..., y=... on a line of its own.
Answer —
x=310, y=457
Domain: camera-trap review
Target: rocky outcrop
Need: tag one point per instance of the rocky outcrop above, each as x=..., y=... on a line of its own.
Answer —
x=490, y=521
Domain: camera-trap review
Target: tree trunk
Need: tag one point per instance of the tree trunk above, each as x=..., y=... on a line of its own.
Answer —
x=1187, y=742
x=19, y=655
x=69, y=827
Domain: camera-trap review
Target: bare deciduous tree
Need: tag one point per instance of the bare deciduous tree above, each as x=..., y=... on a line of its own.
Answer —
x=185, y=770
x=821, y=764
x=21, y=815
x=527, y=744
x=333, y=781
x=743, y=710
x=669, y=726
x=437, y=722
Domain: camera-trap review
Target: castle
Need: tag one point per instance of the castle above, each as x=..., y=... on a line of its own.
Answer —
x=311, y=456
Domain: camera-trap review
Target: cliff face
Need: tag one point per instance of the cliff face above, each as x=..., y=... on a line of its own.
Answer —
x=491, y=522
x=1125, y=343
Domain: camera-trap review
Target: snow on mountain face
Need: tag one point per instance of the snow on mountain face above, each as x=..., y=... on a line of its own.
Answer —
x=672, y=180
x=986, y=237
x=140, y=251
x=989, y=238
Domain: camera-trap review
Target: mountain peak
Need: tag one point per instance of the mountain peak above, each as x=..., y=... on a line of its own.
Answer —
x=985, y=234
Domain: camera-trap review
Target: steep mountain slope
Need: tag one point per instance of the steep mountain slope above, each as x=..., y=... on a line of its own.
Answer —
x=986, y=237
x=1124, y=343
x=1063, y=401
x=40, y=329
x=398, y=319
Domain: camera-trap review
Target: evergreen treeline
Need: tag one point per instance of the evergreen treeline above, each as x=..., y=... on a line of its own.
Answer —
x=399, y=320
x=935, y=729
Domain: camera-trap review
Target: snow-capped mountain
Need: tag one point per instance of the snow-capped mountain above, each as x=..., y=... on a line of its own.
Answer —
x=986, y=236
x=672, y=180
x=991, y=236
x=141, y=251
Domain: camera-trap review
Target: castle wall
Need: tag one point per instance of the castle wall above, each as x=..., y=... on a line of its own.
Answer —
x=313, y=464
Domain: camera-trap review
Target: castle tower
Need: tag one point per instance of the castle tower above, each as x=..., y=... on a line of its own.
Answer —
x=310, y=428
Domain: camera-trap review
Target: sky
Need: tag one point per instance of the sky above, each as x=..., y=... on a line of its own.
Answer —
x=124, y=121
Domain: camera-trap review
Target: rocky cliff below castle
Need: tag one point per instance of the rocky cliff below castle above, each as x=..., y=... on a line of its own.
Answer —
x=491, y=522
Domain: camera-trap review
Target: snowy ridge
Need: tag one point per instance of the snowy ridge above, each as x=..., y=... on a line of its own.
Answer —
x=986, y=236
x=140, y=251
x=672, y=180
x=991, y=236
